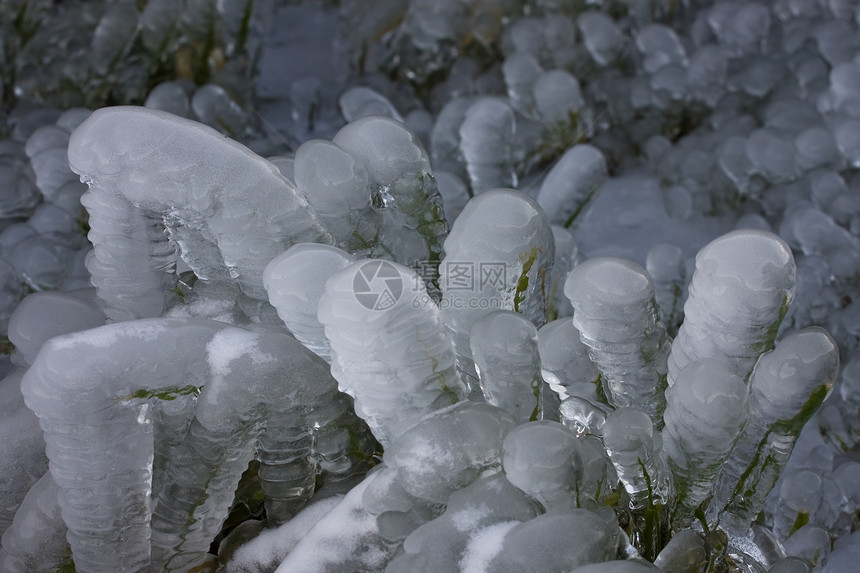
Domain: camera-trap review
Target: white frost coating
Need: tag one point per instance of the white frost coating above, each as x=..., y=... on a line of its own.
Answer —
x=499, y=256
x=95, y=408
x=616, y=315
x=505, y=349
x=484, y=546
x=295, y=281
x=343, y=540
x=705, y=411
x=544, y=543
x=228, y=210
x=572, y=184
x=36, y=540
x=269, y=548
x=337, y=187
x=449, y=450
x=486, y=141
x=741, y=289
x=440, y=544
x=786, y=389
x=389, y=349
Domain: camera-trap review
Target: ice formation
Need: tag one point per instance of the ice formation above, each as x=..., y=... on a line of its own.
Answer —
x=505, y=266
x=616, y=316
x=599, y=145
x=389, y=348
x=161, y=472
x=197, y=185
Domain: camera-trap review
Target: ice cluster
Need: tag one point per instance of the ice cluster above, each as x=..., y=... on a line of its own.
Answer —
x=430, y=286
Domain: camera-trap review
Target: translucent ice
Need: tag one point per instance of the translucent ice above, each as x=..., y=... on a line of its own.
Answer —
x=41, y=316
x=486, y=136
x=107, y=413
x=389, y=348
x=564, y=360
x=229, y=211
x=636, y=452
x=505, y=350
x=557, y=97
x=412, y=226
x=543, y=460
x=36, y=540
x=572, y=183
x=521, y=71
x=705, y=411
x=295, y=281
x=740, y=291
x=169, y=96
x=337, y=187
x=668, y=271
x=501, y=263
x=601, y=36
x=360, y=101
x=786, y=388
x=660, y=47
x=616, y=315
x=544, y=544
x=438, y=545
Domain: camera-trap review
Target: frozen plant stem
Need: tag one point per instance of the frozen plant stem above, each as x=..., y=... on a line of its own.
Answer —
x=616, y=315
x=786, y=389
x=257, y=391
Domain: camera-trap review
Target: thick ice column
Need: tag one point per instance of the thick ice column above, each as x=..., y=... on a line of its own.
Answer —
x=636, y=451
x=403, y=190
x=228, y=210
x=705, y=411
x=740, y=291
x=564, y=361
x=389, y=348
x=486, y=142
x=616, y=315
x=96, y=412
x=572, y=184
x=786, y=388
x=505, y=348
x=498, y=256
x=295, y=281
